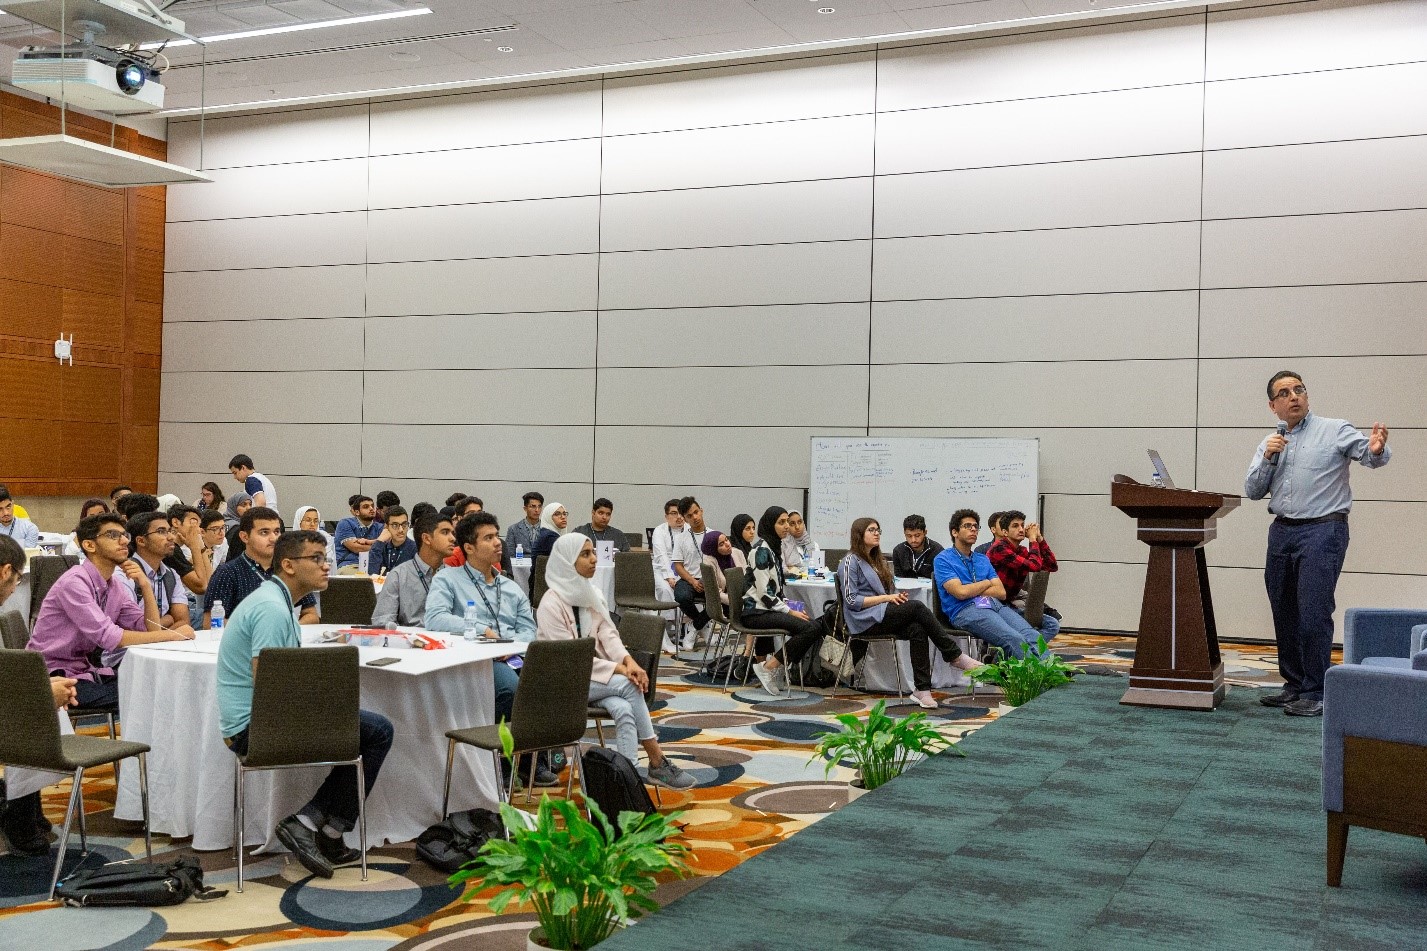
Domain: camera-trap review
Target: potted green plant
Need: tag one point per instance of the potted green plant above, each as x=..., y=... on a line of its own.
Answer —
x=883, y=747
x=1026, y=677
x=582, y=877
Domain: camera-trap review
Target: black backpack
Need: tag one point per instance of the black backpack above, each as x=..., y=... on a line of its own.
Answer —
x=613, y=783
x=453, y=842
x=146, y=884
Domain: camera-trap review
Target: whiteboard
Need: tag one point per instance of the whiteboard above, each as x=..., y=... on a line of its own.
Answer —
x=889, y=478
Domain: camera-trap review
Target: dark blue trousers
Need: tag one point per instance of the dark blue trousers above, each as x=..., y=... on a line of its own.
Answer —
x=1301, y=573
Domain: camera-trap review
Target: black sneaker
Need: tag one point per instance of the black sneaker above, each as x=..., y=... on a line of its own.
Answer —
x=335, y=850
x=20, y=829
x=1303, y=707
x=546, y=777
x=302, y=842
x=1281, y=699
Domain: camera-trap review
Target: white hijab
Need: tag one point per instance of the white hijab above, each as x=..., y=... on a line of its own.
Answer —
x=547, y=520
x=562, y=578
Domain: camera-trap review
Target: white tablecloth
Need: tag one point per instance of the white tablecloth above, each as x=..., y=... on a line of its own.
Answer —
x=168, y=695
x=520, y=568
x=879, y=671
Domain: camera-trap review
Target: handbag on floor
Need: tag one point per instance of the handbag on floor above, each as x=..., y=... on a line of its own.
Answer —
x=455, y=840
x=611, y=780
x=143, y=884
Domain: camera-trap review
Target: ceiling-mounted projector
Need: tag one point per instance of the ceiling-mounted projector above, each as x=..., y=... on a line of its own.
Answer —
x=90, y=77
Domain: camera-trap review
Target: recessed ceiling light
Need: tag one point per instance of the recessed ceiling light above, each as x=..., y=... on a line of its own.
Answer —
x=297, y=27
x=404, y=57
x=827, y=9
x=505, y=49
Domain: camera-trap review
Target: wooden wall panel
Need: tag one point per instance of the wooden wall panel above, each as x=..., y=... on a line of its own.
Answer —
x=87, y=261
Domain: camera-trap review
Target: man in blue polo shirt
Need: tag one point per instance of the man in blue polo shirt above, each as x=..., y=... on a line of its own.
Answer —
x=971, y=592
x=357, y=533
x=236, y=579
x=265, y=619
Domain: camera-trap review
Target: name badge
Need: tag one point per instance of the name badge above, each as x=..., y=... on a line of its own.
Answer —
x=981, y=601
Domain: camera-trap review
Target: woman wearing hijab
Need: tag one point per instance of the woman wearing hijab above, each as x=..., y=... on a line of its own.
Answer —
x=871, y=604
x=573, y=607
x=553, y=521
x=237, y=504
x=798, y=544
x=719, y=552
x=743, y=533
x=764, y=607
x=310, y=520
x=211, y=497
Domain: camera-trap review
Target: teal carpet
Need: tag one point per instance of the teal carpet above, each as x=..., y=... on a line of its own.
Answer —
x=1076, y=823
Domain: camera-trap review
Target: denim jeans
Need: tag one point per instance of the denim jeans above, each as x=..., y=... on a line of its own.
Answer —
x=1000, y=626
x=624, y=702
x=1301, y=572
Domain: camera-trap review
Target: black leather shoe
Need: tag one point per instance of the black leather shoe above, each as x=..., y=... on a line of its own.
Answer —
x=1281, y=699
x=1303, y=707
x=335, y=850
x=302, y=842
x=24, y=836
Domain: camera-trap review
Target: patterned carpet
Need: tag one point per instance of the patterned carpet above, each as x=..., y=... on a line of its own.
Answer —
x=756, y=789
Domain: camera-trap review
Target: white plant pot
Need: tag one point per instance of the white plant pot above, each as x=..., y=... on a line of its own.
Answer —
x=855, y=793
x=1004, y=708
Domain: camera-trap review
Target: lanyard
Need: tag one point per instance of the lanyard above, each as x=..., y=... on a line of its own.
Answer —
x=918, y=559
x=258, y=571
x=10, y=529
x=495, y=615
x=156, y=581
x=421, y=576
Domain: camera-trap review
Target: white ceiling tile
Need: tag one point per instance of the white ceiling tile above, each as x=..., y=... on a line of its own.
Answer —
x=634, y=53
x=586, y=28
x=837, y=28
x=964, y=14
x=764, y=38
x=260, y=15
x=785, y=12
x=681, y=18
x=311, y=10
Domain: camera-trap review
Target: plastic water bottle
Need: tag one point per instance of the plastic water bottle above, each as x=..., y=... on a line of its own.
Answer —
x=217, y=617
x=807, y=563
x=473, y=622
x=520, y=551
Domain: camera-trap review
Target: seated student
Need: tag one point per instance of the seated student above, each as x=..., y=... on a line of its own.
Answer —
x=23, y=819
x=687, y=561
x=239, y=577
x=258, y=486
x=502, y=609
x=718, y=552
x=386, y=499
x=799, y=543
x=971, y=593
x=215, y=541
x=1015, y=564
x=871, y=604
x=662, y=551
x=469, y=505
x=521, y=536
x=136, y=503
x=573, y=607
x=913, y=558
x=421, y=509
x=233, y=511
x=90, y=507
x=314, y=833
x=453, y=498
x=764, y=607
x=397, y=548
x=402, y=599
x=91, y=607
x=743, y=532
x=356, y=534
x=210, y=497
x=152, y=545
x=186, y=559
x=599, y=529
x=117, y=493
x=20, y=529
x=994, y=524
x=310, y=520
x=553, y=522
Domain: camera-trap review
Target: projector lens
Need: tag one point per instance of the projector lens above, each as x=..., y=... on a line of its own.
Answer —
x=130, y=77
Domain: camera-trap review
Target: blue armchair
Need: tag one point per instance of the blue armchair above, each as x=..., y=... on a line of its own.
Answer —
x=1383, y=633
x=1374, y=752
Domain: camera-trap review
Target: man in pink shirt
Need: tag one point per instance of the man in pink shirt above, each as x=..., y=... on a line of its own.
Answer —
x=91, y=607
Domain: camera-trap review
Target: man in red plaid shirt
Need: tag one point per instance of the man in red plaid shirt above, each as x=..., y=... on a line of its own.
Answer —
x=1015, y=564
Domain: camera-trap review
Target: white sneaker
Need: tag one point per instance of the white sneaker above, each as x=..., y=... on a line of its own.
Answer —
x=669, y=647
x=768, y=678
x=924, y=699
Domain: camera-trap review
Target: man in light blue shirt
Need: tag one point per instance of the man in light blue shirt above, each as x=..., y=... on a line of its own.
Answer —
x=24, y=531
x=1304, y=465
x=502, y=609
x=267, y=618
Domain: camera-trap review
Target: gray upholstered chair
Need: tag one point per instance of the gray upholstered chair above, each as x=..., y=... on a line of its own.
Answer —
x=713, y=604
x=1374, y=752
x=44, y=572
x=634, y=583
x=550, y=711
x=348, y=600
x=841, y=632
x=318, y=690
x=1036, y=588
x=832, y=557
x=30, y=737
x=14, y=632
x=1383, y=637
x=737, y=580
x=538, y=587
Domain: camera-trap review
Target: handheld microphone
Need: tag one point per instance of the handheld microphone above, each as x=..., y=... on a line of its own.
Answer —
x=1282, y=431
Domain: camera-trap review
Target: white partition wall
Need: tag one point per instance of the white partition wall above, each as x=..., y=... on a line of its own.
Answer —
x=1106, y=237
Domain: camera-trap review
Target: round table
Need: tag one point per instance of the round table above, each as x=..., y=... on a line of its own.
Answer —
x=168, y=695
x=879, y=671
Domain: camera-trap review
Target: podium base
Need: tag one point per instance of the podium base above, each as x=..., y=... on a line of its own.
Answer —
x=1178, y=699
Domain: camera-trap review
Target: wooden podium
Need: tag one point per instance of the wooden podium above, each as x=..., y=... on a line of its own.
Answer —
x=1177, y=656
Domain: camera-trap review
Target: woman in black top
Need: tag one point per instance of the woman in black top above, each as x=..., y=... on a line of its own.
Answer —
x=764, y=607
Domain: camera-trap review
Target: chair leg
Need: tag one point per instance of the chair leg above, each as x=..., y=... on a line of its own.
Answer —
x=83, y=827
x=362, y=814
x=75, y=801
x=144, y=800
x=1337, y=848
x=112, y=735
x=570, y=769
x=530, y=778
x=514, y=771
x=599, y=730
x=446, y=793
x=578, y=763
x=238, y=819
x=901, y=675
